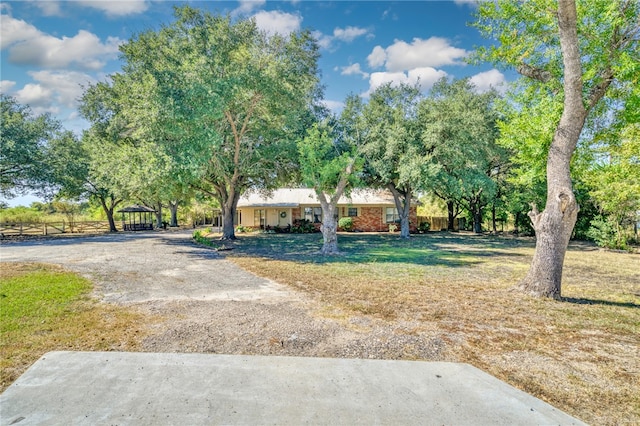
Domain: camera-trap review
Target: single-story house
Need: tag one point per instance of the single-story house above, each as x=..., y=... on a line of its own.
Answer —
x=371, y=210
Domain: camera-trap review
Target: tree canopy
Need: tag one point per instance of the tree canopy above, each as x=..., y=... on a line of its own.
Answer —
x=227, y=100
x=23, y=141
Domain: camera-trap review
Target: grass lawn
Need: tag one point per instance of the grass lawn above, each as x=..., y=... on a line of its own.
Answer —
x=581, y=354
x=44, y=308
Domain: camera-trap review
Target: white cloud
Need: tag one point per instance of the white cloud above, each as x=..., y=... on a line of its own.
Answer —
x=15, y=30
x=335, y=106
x=466, y=2
x=433, y=52
x=247, y=6
x=425, y=77
x=37, y=97
x=349, y=34
x=48, y=8
x=484, y=81
x=354, y=69
x=53, y=90
x=377, y=57
x=29, y=46
x=117, y=8
x=6, y=86
x=275, y=22
x=324, y=41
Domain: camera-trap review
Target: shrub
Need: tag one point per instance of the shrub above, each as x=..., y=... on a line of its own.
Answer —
x=346, y=224
x=303, y=226
x=606, y=233
x=242, y=229
x=424, y=227
x=393, y=227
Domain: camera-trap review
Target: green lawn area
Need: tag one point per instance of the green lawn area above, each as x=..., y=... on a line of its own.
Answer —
x=44, y=308
x=579, y=354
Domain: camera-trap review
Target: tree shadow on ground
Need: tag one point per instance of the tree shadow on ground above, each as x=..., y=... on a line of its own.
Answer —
x=434, y=249
x=585, y=301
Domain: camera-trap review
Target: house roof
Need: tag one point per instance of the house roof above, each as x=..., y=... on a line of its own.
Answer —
x=294, y=197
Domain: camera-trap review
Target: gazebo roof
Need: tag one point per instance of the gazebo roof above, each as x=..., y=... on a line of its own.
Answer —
x=136, y=209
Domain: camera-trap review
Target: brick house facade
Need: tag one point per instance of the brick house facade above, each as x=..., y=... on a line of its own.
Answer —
x=372, y=211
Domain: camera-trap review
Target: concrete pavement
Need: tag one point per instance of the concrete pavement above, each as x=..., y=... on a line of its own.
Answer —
x=115, y=388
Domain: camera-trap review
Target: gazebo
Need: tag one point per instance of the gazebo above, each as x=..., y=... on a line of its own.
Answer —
x=140, y=218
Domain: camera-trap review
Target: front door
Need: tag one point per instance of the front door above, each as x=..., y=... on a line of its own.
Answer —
x=283, y=218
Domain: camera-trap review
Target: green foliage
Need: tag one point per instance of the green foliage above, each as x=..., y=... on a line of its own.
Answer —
x=606, y=233
x=23, y=146
x=325, y=161
x=529, y=41
x=21, y=214
x=224, y=100
x=459, y=133
x=303, y=226
x=242, y=229
x=346, y=224
x=424, y=227
x=201, y=239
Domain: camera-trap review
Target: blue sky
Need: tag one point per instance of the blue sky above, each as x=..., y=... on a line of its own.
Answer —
x=50, y=49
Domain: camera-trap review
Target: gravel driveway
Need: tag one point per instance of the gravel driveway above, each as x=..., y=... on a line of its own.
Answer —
x=211, y=305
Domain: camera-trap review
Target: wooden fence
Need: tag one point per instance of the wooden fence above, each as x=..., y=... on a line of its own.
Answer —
x=52, y=228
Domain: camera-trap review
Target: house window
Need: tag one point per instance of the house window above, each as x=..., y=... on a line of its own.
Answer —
x=392, y=215
x=313, y=214
x=352, y=212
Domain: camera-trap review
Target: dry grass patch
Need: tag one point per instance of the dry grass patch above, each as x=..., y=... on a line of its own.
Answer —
x=580, y=354
x=45, y=308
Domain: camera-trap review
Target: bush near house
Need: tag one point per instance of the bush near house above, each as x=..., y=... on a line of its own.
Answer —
x=346, y=224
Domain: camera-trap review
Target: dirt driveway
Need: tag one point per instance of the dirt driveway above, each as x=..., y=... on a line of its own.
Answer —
x=211, y=305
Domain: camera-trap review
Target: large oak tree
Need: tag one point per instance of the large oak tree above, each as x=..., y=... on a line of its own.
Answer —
x=227, y=100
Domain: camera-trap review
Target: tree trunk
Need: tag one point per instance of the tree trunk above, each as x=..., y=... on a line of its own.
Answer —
x=158, y=214
x=477, y=217
x=493, y=218
x=450, y=216
x=329, y=229
x=553, y=227
x=402, y=200
x=173, y=208
x=229, y=209
x=108, y=210
x=228, y=215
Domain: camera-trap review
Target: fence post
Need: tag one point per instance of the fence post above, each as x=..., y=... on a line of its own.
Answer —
x=44, y=228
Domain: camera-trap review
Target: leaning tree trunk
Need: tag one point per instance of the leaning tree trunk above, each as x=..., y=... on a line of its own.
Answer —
x=553, y=226
x=402, y=201
x=108, y=210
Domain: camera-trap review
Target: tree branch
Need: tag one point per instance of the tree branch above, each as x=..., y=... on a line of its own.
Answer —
x=533, y=72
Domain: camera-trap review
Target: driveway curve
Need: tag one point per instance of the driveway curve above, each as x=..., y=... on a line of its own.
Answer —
x=152, y=266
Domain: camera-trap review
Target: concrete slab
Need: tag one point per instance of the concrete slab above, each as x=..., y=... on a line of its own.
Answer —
x=116, y=388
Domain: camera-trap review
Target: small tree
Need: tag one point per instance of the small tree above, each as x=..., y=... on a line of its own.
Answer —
x=328, y=165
